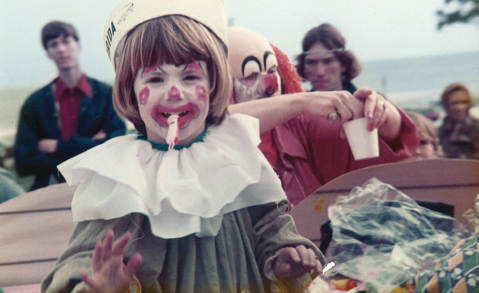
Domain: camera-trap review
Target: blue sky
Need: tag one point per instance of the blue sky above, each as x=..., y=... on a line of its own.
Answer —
x=374, y=29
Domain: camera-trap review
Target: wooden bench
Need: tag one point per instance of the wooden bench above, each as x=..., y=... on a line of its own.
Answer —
x=34, y=230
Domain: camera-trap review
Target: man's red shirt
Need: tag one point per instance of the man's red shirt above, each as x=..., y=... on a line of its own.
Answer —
x=69, y=103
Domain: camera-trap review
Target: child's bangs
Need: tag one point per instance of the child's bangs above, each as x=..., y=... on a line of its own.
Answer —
x=167, y=40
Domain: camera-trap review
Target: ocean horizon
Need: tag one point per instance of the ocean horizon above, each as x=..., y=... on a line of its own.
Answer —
x=407, y=82
x=421, y=80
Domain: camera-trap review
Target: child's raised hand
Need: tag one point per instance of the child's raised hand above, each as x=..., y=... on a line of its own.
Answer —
x=294, y=262
x=110, y=274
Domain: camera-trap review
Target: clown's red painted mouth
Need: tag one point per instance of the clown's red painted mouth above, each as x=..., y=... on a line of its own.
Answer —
x=186, y=112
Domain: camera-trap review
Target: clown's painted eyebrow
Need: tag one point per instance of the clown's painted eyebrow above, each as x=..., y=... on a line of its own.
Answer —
x=266, y=55
x=248, y=59
x=149, y=69
x=194, y=65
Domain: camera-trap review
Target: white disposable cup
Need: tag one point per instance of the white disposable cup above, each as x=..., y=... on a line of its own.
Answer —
x=363, y=143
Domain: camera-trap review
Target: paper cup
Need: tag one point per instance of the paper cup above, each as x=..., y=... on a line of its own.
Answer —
x=363, y=143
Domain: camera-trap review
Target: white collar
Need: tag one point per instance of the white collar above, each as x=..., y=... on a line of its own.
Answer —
x=181, y=191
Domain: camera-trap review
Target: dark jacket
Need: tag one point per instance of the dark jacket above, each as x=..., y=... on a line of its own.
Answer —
x=350, y=87
x=39, y=120
x=460, y=139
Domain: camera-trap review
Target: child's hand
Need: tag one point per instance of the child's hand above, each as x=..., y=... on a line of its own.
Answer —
x=110, y=274
x=294, y=262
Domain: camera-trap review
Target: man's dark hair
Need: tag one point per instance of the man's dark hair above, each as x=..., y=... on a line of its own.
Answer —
x=55, y=29
x=331, y=38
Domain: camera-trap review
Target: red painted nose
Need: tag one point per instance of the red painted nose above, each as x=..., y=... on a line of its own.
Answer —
x=174, y=93
x=270, y=85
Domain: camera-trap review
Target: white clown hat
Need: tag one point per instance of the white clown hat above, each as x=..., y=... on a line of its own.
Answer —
x=130, y=13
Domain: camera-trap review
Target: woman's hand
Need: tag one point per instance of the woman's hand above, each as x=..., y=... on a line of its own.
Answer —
x=342, y=106
x=382, y=114
x=375, y=106
x=337, y=106
x=110, y=274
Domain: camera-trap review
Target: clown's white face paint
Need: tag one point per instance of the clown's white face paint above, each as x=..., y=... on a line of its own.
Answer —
x=253, y=65
x=259, y=81
x=167, y=90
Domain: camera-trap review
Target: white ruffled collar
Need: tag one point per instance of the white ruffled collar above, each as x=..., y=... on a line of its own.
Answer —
x=181, y=191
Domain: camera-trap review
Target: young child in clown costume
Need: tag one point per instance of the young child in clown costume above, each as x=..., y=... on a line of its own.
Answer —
x=195, y=204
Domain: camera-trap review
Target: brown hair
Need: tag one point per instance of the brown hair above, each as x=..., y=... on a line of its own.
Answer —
x=426, y=130
x=331, y=38
x=177, y=40
x=55, y=29
x=446, y=94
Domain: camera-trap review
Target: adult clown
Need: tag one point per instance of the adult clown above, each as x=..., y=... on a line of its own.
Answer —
x=301, y=131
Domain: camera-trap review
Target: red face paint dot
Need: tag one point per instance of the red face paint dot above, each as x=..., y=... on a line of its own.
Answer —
x=195, y=65
x=201, y=92
x=144, y=95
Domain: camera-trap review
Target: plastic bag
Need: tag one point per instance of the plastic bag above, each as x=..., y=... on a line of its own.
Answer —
x=456, y=272
x=382, y=237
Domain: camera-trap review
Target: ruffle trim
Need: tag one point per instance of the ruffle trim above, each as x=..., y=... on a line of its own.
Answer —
x=181, y=191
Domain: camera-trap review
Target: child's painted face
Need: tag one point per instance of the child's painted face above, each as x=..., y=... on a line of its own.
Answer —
x=169, y=89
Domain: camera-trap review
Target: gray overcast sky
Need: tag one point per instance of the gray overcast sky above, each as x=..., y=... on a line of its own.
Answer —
x=374, y=29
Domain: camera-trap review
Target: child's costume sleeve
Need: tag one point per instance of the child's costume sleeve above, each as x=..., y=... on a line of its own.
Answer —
x=274, y=231
x=78, y=256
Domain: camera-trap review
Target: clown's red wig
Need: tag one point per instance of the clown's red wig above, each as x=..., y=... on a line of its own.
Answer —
x=291, y=82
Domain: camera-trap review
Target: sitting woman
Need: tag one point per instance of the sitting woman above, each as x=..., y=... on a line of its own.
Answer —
x=459, y=134
x=302, y=134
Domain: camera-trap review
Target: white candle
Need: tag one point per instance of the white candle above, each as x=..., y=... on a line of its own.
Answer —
x=173, y=129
